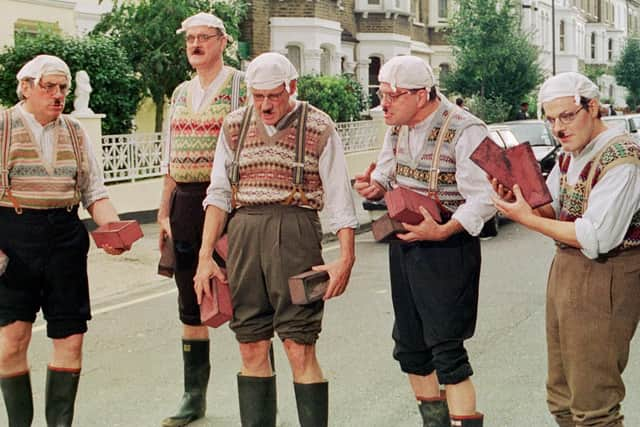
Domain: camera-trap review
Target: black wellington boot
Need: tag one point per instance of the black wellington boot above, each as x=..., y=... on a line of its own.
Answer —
x=197, y=369
x=313, y=404
x=257, y=396
x=434, y=411
x=60, y=396
x=474, y=420
x=16, y=391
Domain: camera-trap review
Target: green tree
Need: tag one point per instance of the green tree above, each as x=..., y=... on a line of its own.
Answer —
x=493, y=58
x=147, y=31
x=627, y=71
x=341, y=97
x=116, y=89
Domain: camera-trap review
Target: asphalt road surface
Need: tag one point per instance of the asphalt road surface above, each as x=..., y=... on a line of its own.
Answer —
x=132, y=373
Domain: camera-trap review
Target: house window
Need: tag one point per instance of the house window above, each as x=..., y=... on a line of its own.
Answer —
x=610, y=50
x=593, y=45
x=325, y=62
x=443, y=9
x=24, y=28
x=416, y=10
x=444, y=71
x=562, y=36
x=374, y=84
x=294, y=54
x=373, y=2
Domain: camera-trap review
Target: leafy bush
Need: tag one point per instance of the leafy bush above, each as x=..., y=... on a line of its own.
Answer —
x=341, y=97
x=116, y=90
x=490, y=110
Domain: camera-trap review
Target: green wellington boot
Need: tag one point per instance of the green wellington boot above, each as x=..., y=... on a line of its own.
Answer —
x=197, y=369
x=60, y=396
x=313, y=404
x=16, y=391
x=257, y=397
x=434, y=411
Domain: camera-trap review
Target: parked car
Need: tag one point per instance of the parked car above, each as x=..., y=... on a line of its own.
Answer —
x=630, y=122
x=537, y=133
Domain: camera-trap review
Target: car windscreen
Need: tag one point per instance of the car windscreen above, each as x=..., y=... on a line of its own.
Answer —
x=535, y=133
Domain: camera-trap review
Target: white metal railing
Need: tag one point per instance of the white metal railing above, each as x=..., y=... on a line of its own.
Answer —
x=138, y=155
x=358, y=136
x=130, y=157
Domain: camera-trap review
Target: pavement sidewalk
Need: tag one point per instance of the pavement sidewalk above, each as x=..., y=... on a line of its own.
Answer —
x=120, y=278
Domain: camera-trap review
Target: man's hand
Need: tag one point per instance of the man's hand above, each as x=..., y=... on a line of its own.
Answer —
x=207, y=269
x=518, y=211
x=339, y=273
x=428, y=229
x=502, y=192
x=165, y=231
x=367, y=188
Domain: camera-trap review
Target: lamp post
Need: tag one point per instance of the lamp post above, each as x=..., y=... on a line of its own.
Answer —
x=553, y=37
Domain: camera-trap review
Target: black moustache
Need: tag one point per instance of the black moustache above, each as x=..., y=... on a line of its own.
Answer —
x=561, y=134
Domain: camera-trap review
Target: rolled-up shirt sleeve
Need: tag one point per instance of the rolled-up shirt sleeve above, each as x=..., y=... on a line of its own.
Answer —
x=612, y=203
x=339, y=206
x=472, y=183
x=91, y=184
x=385, y=171
x=219, y=190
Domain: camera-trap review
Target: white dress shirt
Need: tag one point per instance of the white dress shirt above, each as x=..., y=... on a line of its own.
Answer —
x=471, y=181
x=91, y=184
x=612, y=202
x=200, y=98
x=338, y=201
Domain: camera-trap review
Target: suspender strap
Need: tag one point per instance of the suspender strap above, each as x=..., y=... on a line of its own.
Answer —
x=235, y=89
x=234, y=176
x=435, y=162
x=4, y=152
x=298, y=165
x=75, y=143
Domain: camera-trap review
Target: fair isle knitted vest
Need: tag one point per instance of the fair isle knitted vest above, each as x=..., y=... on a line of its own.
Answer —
x=413, y=172
x=266, y=162
x=573, y=198
x=194, y=134
x=34, y=184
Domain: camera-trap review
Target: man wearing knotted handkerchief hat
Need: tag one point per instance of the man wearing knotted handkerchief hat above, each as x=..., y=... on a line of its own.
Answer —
x=47, y=167
x=198, y=108
x=277, y=164
x=435, y=293
x=593, y=302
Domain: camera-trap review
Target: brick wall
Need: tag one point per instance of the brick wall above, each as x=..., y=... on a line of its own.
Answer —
x=256, y=28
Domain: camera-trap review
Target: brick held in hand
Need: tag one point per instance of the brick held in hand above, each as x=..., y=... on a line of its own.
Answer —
x=166, y=265
x=117, y=234
x=515, y=165
x=308, y=287
x=404, y=204
x=216, y=310
x=384, y=229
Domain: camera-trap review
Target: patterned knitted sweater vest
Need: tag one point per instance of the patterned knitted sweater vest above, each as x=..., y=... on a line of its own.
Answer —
x=413, y=172
x=573, y=198
x=266, y=163
x=194, y=134
x=34, y=184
